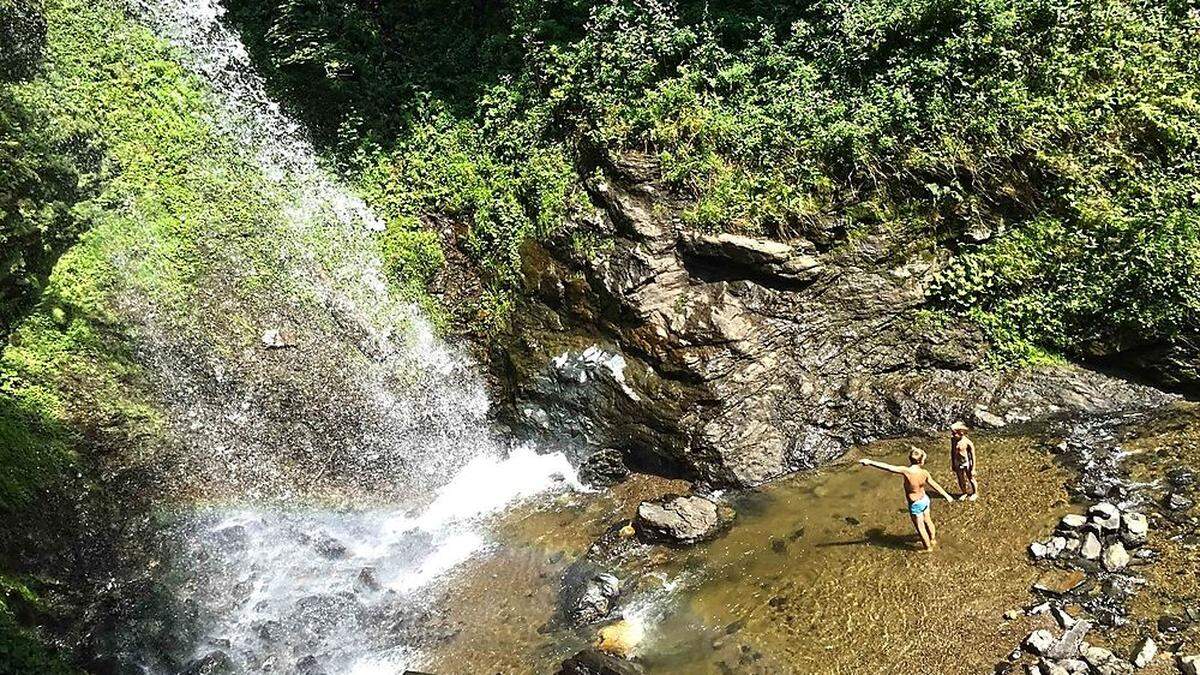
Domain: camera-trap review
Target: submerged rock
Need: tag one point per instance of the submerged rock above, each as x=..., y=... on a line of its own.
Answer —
x=213, y=663
x=589, y=595
x=595, y=662
x=620, y=638
x=1059, y=582
x=679, y=519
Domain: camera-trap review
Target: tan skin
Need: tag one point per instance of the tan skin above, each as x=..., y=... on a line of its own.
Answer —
x=916, y=478
x=962, y=453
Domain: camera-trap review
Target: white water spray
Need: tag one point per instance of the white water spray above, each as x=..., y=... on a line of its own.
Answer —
x=296, y=587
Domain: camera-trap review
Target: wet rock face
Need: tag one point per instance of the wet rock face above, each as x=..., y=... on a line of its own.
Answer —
x=604, y=468
x=735, y=359
x=588, y=593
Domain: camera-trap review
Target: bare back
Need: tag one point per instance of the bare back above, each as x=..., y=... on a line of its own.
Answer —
x=915, y=479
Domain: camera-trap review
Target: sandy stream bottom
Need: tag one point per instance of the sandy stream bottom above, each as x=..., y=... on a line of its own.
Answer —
x=819, y=574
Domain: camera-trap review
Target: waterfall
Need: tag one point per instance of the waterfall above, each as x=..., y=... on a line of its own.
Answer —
x=367, y=410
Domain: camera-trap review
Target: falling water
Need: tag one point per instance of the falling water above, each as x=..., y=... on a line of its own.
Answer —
x=366, y=402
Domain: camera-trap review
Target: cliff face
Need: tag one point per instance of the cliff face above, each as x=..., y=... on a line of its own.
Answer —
x=736, y=359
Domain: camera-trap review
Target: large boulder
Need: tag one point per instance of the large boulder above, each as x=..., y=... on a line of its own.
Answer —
x=679, y=520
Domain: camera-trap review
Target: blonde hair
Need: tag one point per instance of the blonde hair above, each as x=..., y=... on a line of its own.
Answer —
x=917, y=455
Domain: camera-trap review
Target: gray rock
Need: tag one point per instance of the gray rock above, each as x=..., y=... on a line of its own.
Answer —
x=589, y=597
x=1091, y=547
x=1134, y=529
x=1069, y=644
x=1039, y=642
x=1064, y=618
x=1052, y=668
x=731, y=349
x=604, y=468
x=1106, y=515
x=1104, y=662
x=213, y=663
x=1074, y=666
x=1115, y=557
x=1144, y=652
x=1177, y=502
x=1033, y=669
x=678, y=519
x=1072, y=522
x=1189, y=665
x=595, y=662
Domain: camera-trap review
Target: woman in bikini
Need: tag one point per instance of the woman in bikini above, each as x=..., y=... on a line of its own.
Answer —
x=916, y=478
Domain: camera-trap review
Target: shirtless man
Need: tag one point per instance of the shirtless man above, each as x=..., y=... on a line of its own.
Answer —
x=962, y=460
x=915, y=480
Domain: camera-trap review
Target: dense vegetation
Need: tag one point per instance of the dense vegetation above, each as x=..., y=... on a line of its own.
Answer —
x=1062, y=135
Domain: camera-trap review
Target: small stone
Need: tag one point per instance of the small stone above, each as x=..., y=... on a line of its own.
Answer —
x=595, y=662
x=1011, y=614
x=1115, y=557
x=1032, y=669
x=1072, y=521
x=1177, y=502
x=1091, y=547
x=1039, y=642
x=627, y=531
x=1171, y=624
x=277, y=339
x=1106, y=515
x=1059, y=582
x=1041, y=608
x=1189, y=665
x=1134, y=528
x=1038, y=550
x=1144, y=652
x=1056, y=546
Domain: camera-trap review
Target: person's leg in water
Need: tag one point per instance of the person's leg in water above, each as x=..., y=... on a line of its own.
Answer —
x=919, y=524
x=929, y=527
x=973, y=483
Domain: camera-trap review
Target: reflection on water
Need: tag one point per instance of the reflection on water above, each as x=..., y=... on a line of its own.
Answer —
x=819, y=574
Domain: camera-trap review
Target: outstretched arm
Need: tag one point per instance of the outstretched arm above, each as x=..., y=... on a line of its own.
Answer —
x=892, y=468
x=942, y=492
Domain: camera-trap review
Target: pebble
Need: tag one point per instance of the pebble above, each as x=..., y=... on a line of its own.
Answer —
x=1177, y=502
x=1134, y=528
x=1072, y=521
x=1091, y=547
